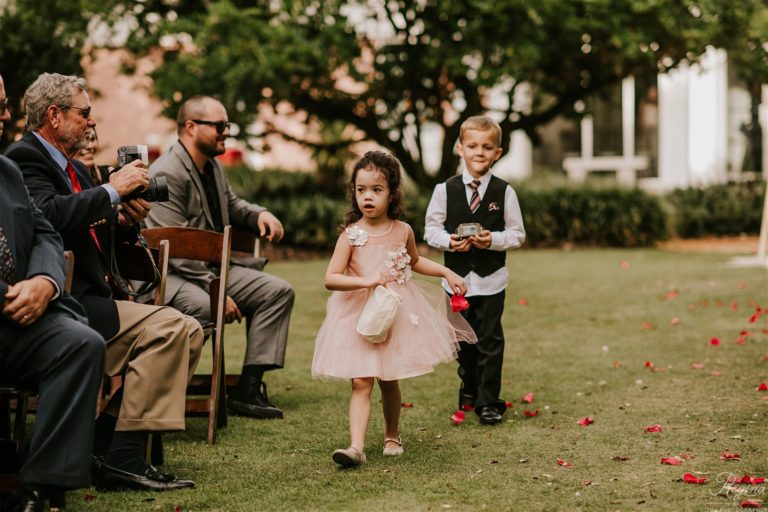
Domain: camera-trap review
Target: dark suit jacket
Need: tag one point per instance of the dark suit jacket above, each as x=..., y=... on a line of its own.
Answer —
x=72, y=215
x=35, y=245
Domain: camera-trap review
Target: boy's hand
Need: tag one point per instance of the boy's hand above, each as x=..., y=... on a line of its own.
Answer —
x=456, y=283
x=460, y=244
x=481, y=241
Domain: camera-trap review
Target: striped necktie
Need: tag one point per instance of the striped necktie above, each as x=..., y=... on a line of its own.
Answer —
x=77, y=188
x=474, y=200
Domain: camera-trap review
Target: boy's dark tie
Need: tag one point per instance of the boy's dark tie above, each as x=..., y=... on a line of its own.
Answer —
x=474, y=200
x=78, y=188
x=7, y=268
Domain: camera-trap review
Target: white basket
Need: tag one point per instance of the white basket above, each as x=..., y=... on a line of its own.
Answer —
x=378, y=314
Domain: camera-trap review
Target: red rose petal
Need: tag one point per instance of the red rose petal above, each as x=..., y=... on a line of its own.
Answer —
x=762, y=387
x=714, y=373
x=734, y=305
x=522, y=302
x=730, y=456
x=509, y=404
x=653, y=428
x=697, y=366
x=691, y=479
x=458, y=417
x=714, y=342
x=586, y=421
x=527, y=399
x=672, y=461
x=407, y=405
x=467, y=407
x=672, y=294
x=648, y=364
x=531, y=414
x=561, y=462
x=647, y=325
x=750, y=504
x=459, y=303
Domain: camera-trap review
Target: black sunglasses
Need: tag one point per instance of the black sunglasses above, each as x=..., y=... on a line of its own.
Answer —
x=3, y=105
x=221, y=126
x=85, y=112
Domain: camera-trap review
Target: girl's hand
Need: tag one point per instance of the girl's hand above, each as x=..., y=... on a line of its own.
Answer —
x=456, y=283
x=375, y=280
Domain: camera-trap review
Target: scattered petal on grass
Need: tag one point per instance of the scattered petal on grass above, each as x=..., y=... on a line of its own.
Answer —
x=674, y=321
x=565, y=464
x=672, y=294
x=714, y=342
x=616, y=364
x=647, y=325
x=730, y=456
x=750, y=504
x=527, y=399
x=692, y=479
x=686, y=456
x=467, y=407
x=531, y=414
x=625, y=265
x=458, y=417
x=522, y=302
x=672, y=461
x=459, y=303
x=697, y=366
x=648, y=364
x=746, y=479
x=653, y=428
x=734, y=306
x=407, y=405
x=509, y=404
x=618, y=458
x=586, y=421
x=762, y=387
x=714, y=373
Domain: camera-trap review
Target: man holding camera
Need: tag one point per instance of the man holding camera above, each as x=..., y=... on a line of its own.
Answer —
x=200, y=197
x=155, y=349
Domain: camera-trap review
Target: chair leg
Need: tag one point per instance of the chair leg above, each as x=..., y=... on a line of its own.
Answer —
x=214, y=399
x=20, y=424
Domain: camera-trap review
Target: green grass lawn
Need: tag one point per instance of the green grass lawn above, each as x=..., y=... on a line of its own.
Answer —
x=580, y=327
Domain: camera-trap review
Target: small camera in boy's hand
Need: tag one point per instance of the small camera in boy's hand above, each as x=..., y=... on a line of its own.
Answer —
x=468, y=229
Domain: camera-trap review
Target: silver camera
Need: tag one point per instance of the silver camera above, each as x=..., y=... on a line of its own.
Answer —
x=468, y=229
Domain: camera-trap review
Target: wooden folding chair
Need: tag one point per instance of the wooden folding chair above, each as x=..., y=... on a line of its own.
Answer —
x=21, y=402
x=214, y=248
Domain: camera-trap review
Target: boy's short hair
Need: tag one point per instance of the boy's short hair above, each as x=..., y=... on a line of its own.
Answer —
x=480, y=123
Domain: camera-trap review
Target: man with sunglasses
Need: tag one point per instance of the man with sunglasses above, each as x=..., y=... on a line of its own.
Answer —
x=155, y=349
x=200, y=197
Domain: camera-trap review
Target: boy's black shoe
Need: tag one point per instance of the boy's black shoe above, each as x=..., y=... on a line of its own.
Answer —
x=490, y=416
x=466, y=401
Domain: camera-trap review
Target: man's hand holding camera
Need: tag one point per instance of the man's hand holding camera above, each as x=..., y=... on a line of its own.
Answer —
x=130, y=178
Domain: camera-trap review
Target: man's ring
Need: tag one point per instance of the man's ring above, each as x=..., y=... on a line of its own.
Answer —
x=25, y=317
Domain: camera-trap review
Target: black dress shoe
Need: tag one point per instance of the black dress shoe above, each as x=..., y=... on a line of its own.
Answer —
x=490, y=416
x=24, y=500
x=151, y=480
x=254, y=402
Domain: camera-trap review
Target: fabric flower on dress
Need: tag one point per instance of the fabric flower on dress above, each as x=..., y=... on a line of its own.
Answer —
x=398, y=265
x=357, y=237
x=414, y=318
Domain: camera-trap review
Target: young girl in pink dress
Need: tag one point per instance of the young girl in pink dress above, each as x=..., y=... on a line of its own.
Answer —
x=378, y=249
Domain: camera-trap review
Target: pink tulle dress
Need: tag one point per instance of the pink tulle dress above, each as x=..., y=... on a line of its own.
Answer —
x=425, y=330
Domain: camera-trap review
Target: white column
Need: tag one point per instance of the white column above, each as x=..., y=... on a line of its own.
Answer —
x=673, y=129
x=587, y=137
x=628, y=117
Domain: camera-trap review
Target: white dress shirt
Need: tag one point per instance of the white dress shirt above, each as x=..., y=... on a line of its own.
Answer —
x=512, y=237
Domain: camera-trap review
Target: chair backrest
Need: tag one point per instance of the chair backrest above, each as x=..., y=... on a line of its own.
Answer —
x=69, y=270
x=200, y=245
x=133, y=262
x=245, y=241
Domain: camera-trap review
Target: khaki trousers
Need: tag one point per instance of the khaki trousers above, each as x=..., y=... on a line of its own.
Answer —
x=156, y=350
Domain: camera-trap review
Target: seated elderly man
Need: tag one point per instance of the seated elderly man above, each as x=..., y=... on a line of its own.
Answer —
x=45, y=345
x=155, y=349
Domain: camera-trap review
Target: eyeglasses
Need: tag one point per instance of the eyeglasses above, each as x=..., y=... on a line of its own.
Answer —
x=3, y=105
x=85, y=112
x=221, y=126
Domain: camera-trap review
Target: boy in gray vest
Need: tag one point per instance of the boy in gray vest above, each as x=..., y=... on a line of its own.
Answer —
x=478, y=254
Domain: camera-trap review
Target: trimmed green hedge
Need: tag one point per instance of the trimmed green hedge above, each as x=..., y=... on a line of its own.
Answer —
x=580, y=215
